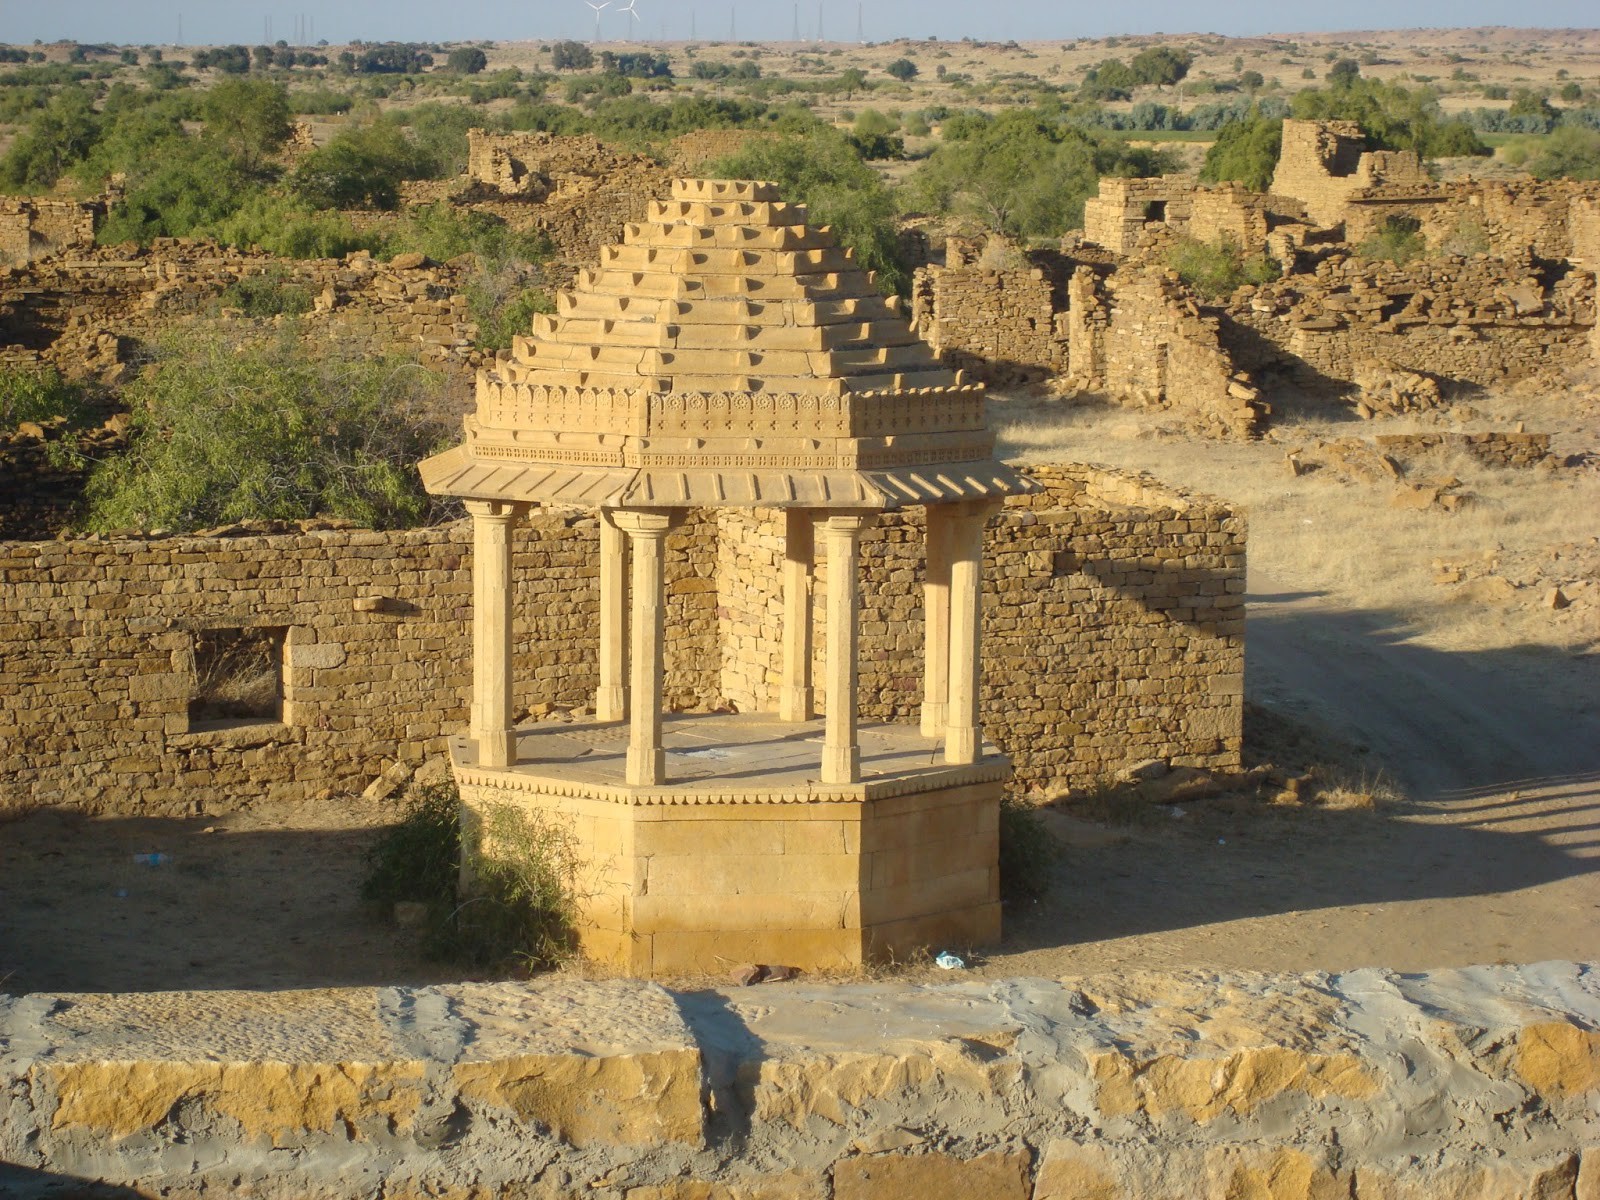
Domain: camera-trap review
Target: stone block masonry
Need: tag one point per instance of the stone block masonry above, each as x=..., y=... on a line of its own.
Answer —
x=54, y=306
x=1113, y=618
x=1473, y=1084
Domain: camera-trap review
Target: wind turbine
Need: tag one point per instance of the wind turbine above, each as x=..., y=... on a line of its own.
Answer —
x=633, y=16
x=598, y=8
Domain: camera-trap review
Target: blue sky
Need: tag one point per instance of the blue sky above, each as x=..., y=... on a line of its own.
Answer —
x=209, y=21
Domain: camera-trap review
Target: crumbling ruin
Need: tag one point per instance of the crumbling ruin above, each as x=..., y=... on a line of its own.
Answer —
x=1507, y=292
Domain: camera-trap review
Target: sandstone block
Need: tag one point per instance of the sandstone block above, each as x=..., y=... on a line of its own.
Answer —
x=997, y=1175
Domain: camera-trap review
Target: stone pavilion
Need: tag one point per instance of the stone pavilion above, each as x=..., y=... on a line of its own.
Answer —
x=728, y=354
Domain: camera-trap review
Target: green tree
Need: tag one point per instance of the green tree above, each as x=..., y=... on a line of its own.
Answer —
x=1160, y=66
x=248, y=117
x=821, y=170
x=55, y=140
x=902, y=69
x=1392, y=117
x=571, y=56
x=1571, y=152
x=191, y=186
x=1112, y=79
x=362, y=167
x=1344, y=72
x=1245, y=152
x=1023, y=175
x=226, y=431
x=466, y=60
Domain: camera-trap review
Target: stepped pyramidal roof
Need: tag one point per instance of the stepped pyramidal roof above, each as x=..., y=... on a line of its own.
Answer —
x=726, y=353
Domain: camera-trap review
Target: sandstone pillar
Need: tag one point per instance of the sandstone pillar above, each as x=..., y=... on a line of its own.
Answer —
x=963, y=741
x=491, y=726
x=841, y=753
x=647, y=536
x=936, y=623
x=796, y=699
x=611, y=696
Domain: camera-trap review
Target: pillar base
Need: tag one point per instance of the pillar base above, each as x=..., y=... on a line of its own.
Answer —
x=611, y=704
x=760, y=862
x=797, y=704
x=961, y=746
x=841, y=764
x=647, y=768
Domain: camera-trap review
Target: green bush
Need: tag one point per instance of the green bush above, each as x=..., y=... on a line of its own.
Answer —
x=442, y=232
x=503, y=306
x=361, y=167
x=1571, y=152
x=1025, y=173
x=1028, y=852
x=288, y=228
x=268, y=295
x=523, y=909
x=1216, y=271
x=228, y=430
x=1245, y=152
x=39, y=395
x=1398, y=239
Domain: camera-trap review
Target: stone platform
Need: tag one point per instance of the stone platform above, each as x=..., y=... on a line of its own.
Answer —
x=743, y=854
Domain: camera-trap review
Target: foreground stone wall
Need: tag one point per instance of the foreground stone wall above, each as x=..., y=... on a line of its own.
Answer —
x=1473, y=1084
x=1113, y=616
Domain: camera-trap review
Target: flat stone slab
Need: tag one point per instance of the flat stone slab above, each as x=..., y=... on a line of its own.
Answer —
x=1481, y=1082
x=733, y=752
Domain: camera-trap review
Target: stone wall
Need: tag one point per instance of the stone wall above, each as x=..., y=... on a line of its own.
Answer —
x=575, y=189
x=1476, y=1083
x=1113, y=610
x=1481, y=321
x=1113, y=624
x=690, y=153
x=52, y=306
x=33, y=228
x=1149, y=343
x=1124, y=211
x=1494, y=448
x=1324, y=163
x=1117, y=216
x=999, y=324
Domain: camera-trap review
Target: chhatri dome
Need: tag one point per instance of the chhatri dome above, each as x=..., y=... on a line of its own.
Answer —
x=728, y=354
x=725, y=354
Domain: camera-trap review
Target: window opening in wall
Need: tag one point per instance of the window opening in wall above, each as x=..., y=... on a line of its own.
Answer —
x=1155, y=212
x=238, y=676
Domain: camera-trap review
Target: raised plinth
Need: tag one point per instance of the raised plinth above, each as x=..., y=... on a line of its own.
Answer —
x=744, y=855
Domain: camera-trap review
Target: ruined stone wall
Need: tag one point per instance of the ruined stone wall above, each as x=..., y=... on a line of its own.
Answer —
x=1161, y=351
x=32, y=228
x=1113, y=619
x=97, y=655
x=1120, y=211
x=1494, y=448
x=1358, y=1085
x=1229, y=213
x=575, y=189
x=1113, y=624
x=691, y=152
x=132, y=295
x=999, y=325
x=1481, y=321
x=1323, y=163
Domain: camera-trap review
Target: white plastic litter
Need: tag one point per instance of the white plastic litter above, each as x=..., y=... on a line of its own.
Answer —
x=950, y=962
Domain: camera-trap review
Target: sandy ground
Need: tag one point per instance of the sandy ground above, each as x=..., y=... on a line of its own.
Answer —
x=1493, y=738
